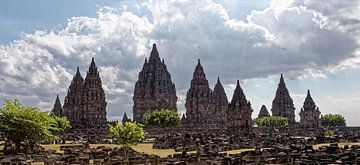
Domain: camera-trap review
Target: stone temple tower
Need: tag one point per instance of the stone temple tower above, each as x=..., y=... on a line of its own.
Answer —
x=282, y=104
x=309, y=114
x=200, y=104
x=93, y=102
x=72, y=102
x=84, y=104
x=57, y=110
x=239, y=113
x=154, y=89
x=263, y=112
x=221, y=103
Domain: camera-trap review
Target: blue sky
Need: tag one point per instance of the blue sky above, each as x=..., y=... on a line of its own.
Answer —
x=43, y=41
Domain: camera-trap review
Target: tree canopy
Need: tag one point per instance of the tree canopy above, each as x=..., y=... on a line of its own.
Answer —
x=20, y=123
x=333, y=120
x=130, y=133
x=272, y=121
x=162, y=118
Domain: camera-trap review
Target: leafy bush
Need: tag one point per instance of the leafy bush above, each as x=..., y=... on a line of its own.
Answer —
x=272, y=121
x=333, y=120
x=130, y=133
x=162, y=118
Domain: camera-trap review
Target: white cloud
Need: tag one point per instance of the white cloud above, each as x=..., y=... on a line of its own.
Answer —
x=348, y=107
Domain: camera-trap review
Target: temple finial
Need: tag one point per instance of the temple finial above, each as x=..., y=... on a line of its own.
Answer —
x=78, y=72
x=154, y=55
x=282, y=79
x=92, y=68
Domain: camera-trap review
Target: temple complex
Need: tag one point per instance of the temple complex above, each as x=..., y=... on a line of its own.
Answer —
x=310, y=113
x=154, y=89
x=200, y=103
x=282, y=104
x=239, y=113
x=263, y=112
x=85, y=104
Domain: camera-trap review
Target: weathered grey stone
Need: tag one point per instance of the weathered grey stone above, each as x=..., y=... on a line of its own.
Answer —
x=154, y=89
x=282, y=104
x=310, y=113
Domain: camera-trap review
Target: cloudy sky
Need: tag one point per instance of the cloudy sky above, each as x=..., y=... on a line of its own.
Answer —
x=314, y=43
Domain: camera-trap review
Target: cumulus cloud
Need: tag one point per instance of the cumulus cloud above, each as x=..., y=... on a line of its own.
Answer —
x=348, y=107
x=294, y=37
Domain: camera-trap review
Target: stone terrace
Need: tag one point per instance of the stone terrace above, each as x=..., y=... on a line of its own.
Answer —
x=293, y=154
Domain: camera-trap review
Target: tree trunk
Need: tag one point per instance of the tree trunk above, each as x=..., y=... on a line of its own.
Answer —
x=17, y=146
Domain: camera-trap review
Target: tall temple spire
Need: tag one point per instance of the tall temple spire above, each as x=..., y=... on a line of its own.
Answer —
x=309, y=113
x=93, y=97
x=221, y=102
x=57, y=110
x=200, y=104
x=263, y=112
x=239, y=113
x=154, y=89
x=72, y=102
x=84, y=104
x=282, y=104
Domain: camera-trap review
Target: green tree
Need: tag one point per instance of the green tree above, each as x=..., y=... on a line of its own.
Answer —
x=130, y=133
x=271, y=121
x=60, y=124
x=162, y=118
x=333, y=120
x=28, y=124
